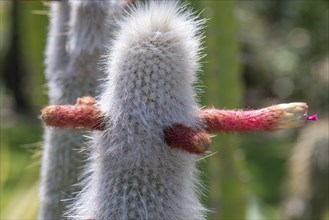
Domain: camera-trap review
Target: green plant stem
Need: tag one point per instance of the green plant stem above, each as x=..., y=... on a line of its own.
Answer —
x=227, y=190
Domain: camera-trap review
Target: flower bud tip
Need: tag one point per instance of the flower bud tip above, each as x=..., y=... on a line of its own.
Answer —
x=312, y=118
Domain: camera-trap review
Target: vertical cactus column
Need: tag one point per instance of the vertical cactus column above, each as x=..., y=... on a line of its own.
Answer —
x=227, y=191
x=307, y=193
x=133, y=173
x=76, y=38
x=52, y=183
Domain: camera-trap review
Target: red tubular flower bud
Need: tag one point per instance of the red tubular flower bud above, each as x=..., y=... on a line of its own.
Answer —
x=86, y=115
x=69, y=116
x=275, y=117
x=237, y=121
x=182, y=137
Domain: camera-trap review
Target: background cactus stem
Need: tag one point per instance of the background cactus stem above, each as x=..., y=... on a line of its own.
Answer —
x=78, y=32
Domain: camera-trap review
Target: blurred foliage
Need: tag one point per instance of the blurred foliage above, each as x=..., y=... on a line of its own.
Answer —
x=20, y=158
x=286, y=50
x=284, y=58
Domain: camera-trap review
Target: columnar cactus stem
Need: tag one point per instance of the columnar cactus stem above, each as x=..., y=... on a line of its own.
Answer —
x=76, y=39
x=133, y=173
x=52, y=187
x=306, y=193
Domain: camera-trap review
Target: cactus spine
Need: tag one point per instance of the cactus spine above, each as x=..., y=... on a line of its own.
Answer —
x=132, y=173
x=76, y=39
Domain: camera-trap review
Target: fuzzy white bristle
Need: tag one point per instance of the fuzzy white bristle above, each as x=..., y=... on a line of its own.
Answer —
x=76, y=39
x=151, y=70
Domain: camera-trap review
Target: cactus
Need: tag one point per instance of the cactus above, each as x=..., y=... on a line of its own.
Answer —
x=132, y=172
x=307, y=190
x=76, y=38
x=142, y=162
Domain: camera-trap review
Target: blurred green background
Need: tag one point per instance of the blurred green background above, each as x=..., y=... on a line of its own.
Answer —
x=259, y=53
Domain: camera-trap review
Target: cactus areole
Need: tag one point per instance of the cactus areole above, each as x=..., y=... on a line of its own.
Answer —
x=142, y=162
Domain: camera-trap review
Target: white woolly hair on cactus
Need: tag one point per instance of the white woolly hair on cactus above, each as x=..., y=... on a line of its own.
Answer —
x=132, y=173
x=77, y=35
